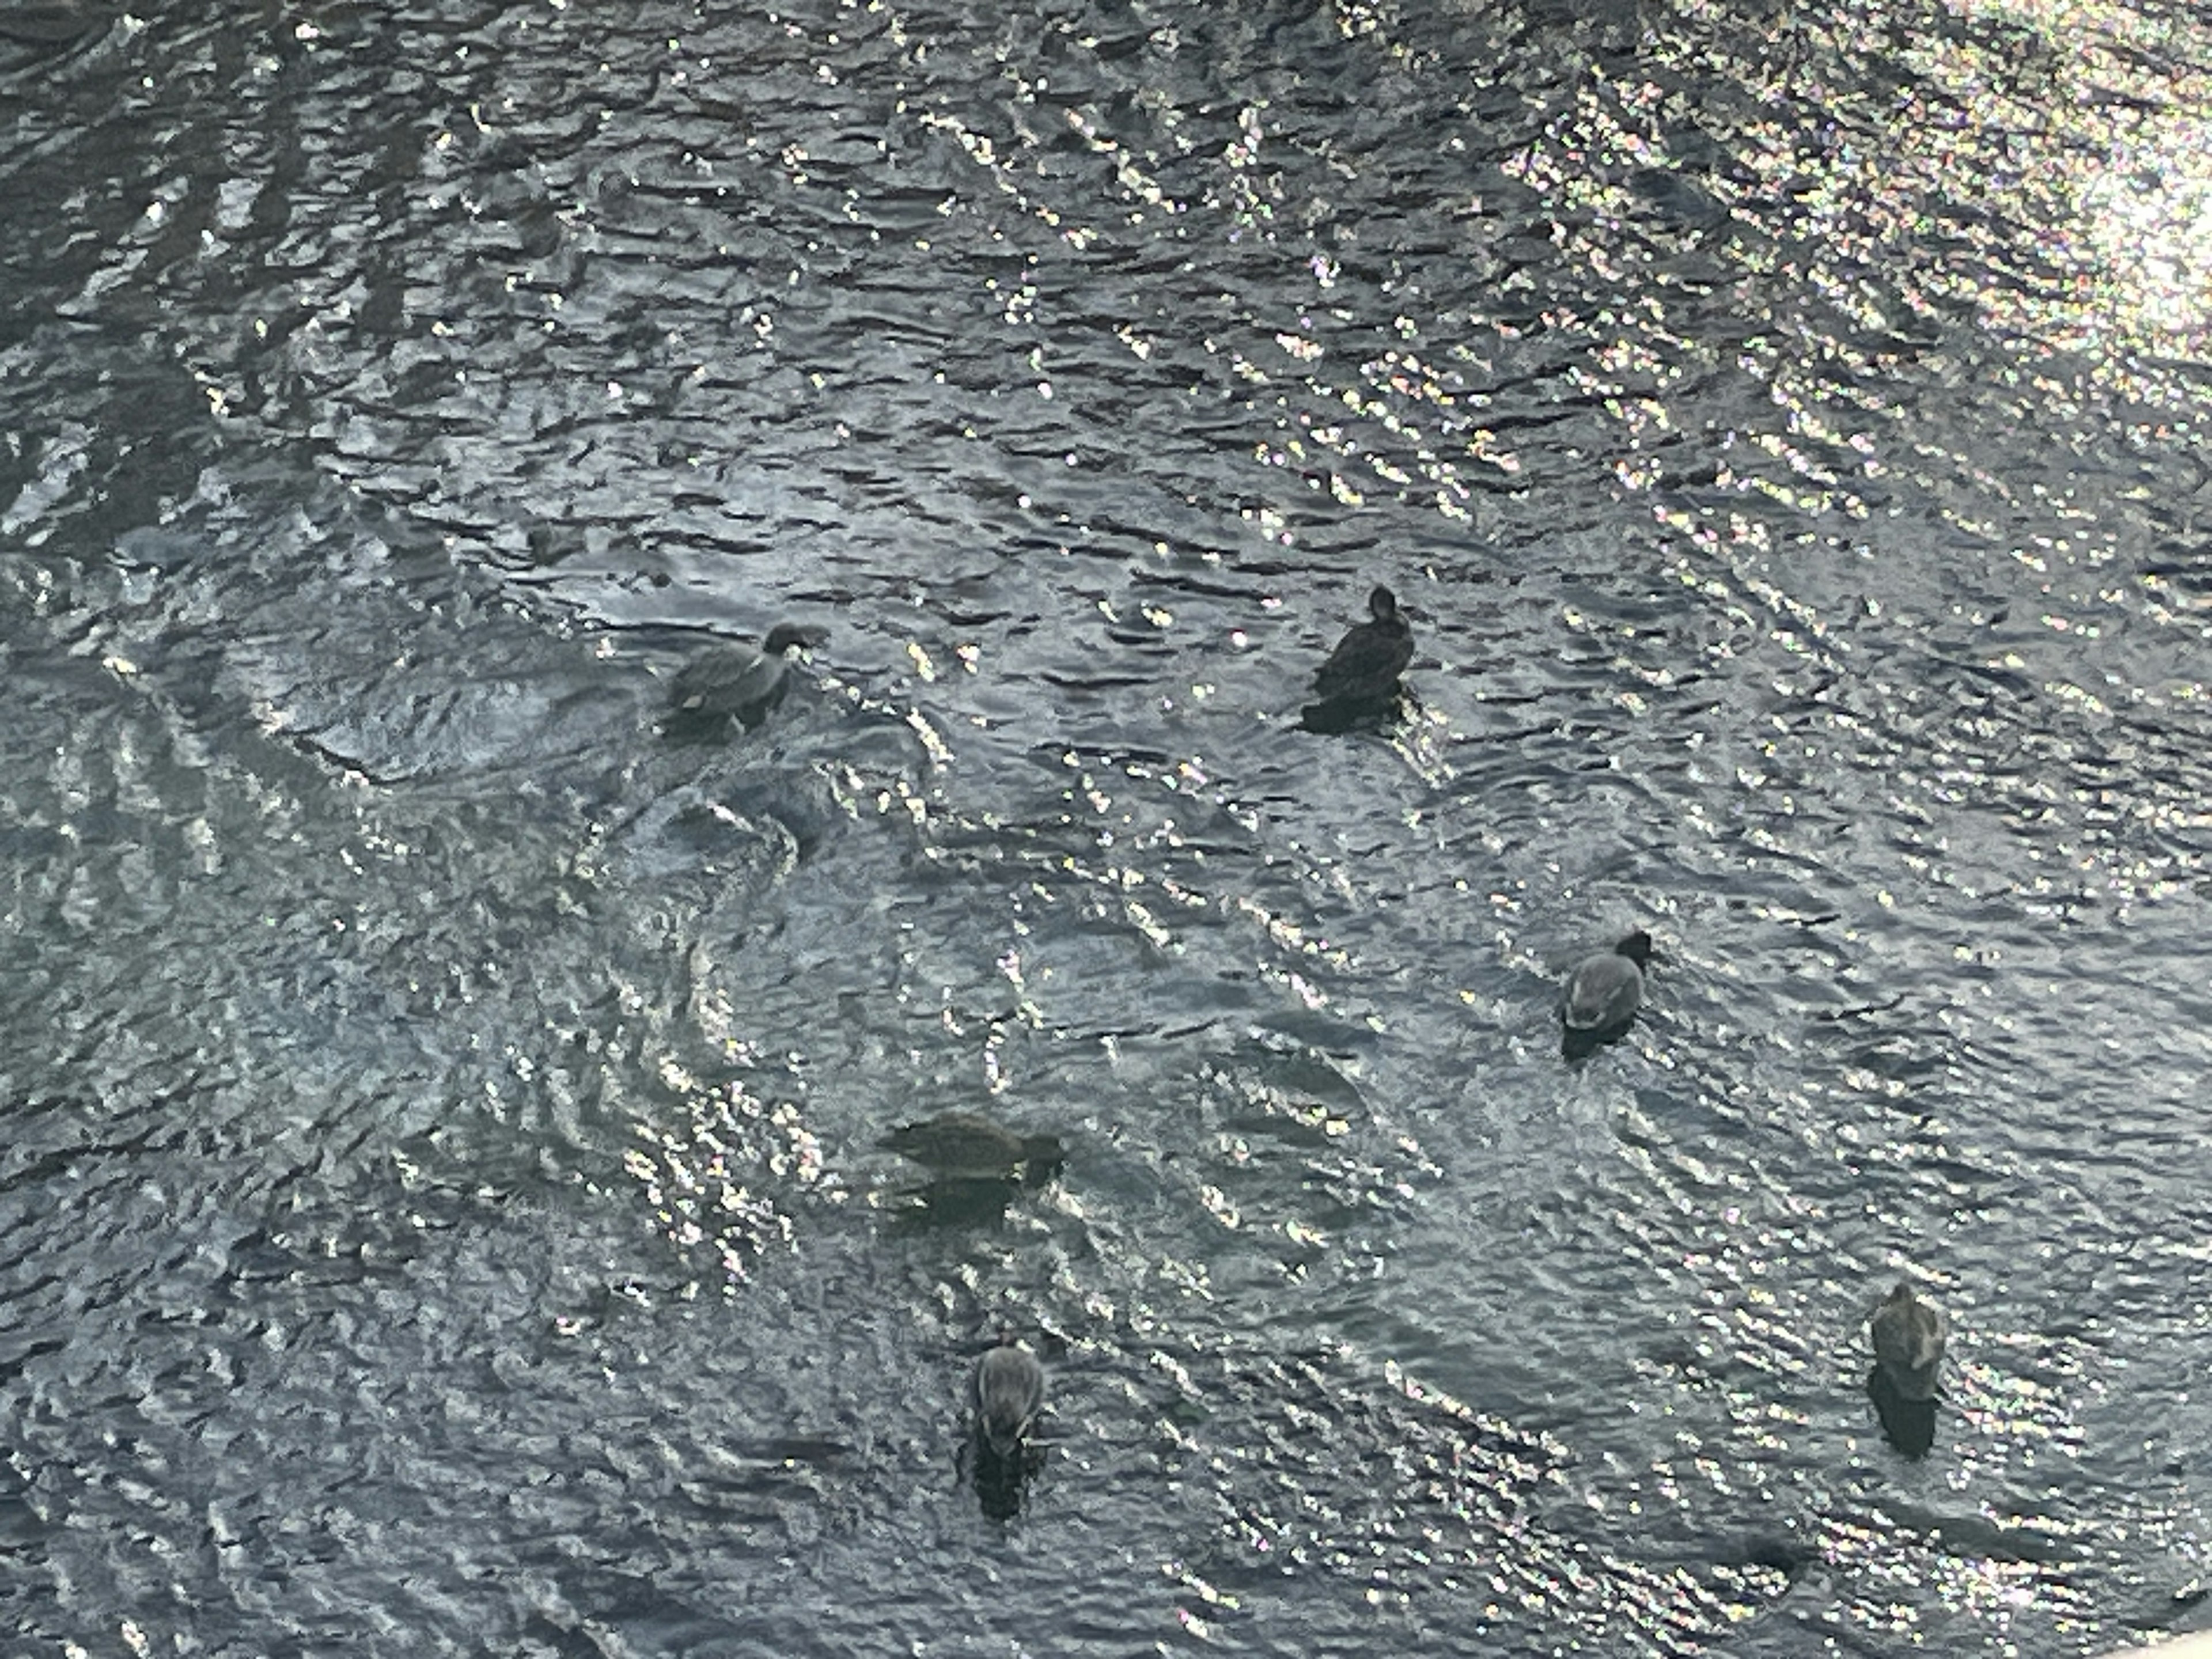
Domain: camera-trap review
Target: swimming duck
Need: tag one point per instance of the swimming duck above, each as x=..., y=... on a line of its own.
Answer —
x=1908, y=1342
x=1364, y=667
x=734, y=681
x=968, y=1144
x=1603, y=991
x=1007, y=1390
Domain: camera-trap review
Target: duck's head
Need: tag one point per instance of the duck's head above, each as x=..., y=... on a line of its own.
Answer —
x=1637, y=947
x=1383, y=605
x=784, y=635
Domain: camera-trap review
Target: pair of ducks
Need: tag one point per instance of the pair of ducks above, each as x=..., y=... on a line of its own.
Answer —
x=1601, y=1001
x=1361, y=679
x=1364, y=678
x=1007, y=1388
x=1601, y=998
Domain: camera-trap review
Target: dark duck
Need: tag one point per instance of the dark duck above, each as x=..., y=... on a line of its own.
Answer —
x=1361, y=679
x=732, y=682
x=1007, y=1391
x=1907, y=1335
x=1908, y=1342
x=1602, y=995
x=969, y=1144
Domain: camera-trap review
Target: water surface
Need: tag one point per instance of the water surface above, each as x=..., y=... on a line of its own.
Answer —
x=439, y=1209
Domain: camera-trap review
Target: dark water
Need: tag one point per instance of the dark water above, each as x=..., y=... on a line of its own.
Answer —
x=439, y=1211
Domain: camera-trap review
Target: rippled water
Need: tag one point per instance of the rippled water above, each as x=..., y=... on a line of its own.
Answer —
x=439, y=1208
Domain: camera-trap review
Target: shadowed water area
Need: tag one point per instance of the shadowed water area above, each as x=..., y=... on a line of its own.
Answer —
x=441, y=1209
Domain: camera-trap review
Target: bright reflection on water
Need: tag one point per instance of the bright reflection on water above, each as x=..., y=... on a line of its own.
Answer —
x=2137, y=278
x=443, y=1202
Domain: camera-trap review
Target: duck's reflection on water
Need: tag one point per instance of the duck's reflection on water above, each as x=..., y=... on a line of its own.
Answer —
x=1907, y=1424
x=1334, y=716
x=1001, y=1478
x=961, y=1200
x=1577, y=1046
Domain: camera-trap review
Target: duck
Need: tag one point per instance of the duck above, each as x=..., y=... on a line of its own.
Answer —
x=1007, y=1390
x=1908, y=1342
x=735, y=682
x=1604, y=990
x=961, y=1143
x=1364, y=668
